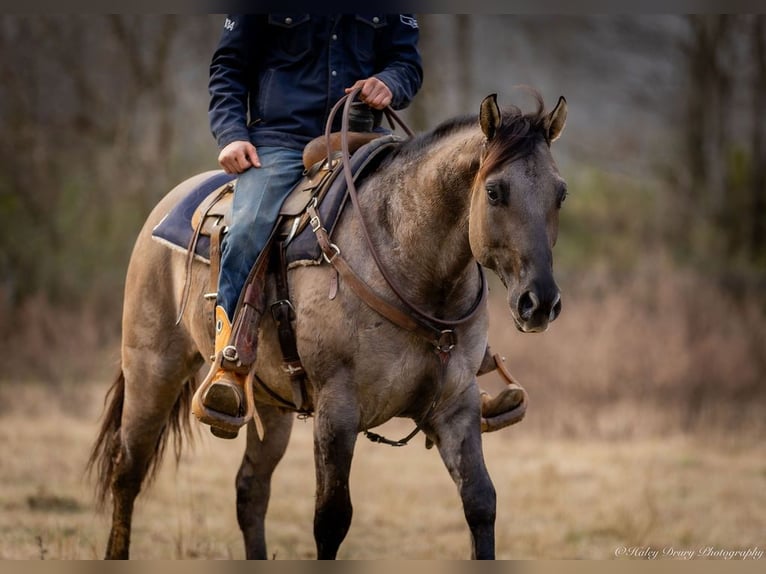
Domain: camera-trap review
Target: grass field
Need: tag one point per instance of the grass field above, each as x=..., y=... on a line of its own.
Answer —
x=557, y=498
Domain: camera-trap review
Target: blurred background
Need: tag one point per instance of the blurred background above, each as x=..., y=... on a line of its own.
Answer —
x=662, y=251
x=661, y=256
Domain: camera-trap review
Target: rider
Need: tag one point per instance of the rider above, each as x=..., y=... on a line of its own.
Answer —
x=273, y=80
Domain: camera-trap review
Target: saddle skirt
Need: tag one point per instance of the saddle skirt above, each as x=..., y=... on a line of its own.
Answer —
x=192, y=222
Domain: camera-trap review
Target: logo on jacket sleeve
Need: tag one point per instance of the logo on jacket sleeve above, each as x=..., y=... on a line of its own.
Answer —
x=229, y=24
x=408, y=21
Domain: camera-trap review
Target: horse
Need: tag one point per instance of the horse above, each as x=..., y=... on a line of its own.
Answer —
x=473, y=190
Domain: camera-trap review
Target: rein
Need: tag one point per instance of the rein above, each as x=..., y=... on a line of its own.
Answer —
x=439, y=332
x=423, y=316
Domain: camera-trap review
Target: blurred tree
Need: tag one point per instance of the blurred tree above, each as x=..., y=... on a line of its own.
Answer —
x=435, y=34
x=464, y=45
x=757, y=230
x=94, y=112
x=708, y=98
x=724, y=191
x=447, y=46
x=102, y=114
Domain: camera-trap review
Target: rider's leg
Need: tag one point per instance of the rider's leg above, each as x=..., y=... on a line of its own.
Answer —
x=258, y=196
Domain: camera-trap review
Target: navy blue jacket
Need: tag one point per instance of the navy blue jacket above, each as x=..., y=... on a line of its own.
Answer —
x=274, y=78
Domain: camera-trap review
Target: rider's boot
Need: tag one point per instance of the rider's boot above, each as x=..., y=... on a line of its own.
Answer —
x=224, y=386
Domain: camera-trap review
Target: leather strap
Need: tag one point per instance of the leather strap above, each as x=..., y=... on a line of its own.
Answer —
x=375, y=437
x=193, y=247
x=249, y=310
x=216, y=236
x=422, y=316
x=443, y=339
x=439, y=332
x=283, y=313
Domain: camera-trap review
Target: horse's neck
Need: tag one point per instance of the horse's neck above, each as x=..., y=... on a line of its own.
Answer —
x=424, y=212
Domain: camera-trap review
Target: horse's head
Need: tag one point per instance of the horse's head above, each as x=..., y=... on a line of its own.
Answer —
x=515, y=208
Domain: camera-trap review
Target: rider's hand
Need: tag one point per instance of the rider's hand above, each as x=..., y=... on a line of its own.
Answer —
x=374, y=92
x=238, y=156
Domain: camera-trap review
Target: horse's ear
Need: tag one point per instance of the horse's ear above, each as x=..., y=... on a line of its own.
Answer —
x=556, y=120
x=489, y=116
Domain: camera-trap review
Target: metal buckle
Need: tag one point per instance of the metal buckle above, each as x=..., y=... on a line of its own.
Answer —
x=337, y=252
x=315, y=222
x=446, y=341
x=230, y=353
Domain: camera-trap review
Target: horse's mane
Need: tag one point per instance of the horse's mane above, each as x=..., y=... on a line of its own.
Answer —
x=516, y=136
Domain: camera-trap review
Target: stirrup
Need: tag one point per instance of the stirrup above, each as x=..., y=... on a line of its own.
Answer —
x=512, y=416
x=221, y=433
x=221, y=424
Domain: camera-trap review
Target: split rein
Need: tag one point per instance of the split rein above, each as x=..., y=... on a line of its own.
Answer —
x=438, y=332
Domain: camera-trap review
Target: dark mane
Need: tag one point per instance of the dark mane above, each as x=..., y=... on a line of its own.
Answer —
x=516, y=137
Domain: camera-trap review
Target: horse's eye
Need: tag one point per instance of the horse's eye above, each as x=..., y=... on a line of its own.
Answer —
x=493, y=194
x=561, y=197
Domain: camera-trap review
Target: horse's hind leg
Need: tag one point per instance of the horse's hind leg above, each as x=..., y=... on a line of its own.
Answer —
x=153, y=383
x=458, y=437
x=254, y=476
x=335, y=431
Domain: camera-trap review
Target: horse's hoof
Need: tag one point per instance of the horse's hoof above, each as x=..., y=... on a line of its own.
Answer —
x=222, y=433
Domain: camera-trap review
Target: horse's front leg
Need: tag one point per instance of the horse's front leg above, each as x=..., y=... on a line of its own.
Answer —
x=335, y=430
x=457, y=434
x=254, y=476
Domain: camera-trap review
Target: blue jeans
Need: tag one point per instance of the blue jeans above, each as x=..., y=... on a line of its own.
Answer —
x=258, y=196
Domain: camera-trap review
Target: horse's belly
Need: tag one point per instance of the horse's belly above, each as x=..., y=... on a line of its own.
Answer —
x=388, y=371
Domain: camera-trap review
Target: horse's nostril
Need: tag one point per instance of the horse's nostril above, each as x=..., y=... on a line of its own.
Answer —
x=556, y=311
x=528, y=303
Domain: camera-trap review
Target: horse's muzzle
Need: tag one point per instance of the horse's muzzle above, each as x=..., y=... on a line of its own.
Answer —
x=533, y=311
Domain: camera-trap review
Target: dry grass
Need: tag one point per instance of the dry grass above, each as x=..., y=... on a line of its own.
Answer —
x=645, y=428
x=659, y=351
x=559, y=498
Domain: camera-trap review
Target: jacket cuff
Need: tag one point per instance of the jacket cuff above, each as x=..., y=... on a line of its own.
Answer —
x=232, y=134
x=398, y=99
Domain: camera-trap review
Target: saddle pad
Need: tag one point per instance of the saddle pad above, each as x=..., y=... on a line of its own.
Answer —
x=175, y=229
x=304, y=249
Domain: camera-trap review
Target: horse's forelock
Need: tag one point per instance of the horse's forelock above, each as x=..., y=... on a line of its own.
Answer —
x=516, y=137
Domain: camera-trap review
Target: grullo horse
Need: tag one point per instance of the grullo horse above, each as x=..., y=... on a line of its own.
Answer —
x=482, y=190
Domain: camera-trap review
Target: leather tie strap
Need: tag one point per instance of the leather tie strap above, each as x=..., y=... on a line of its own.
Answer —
x=211, y=298
x=283, y=313
x=191, y=250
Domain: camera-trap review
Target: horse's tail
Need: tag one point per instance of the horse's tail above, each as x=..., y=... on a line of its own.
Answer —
x=105, y=453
